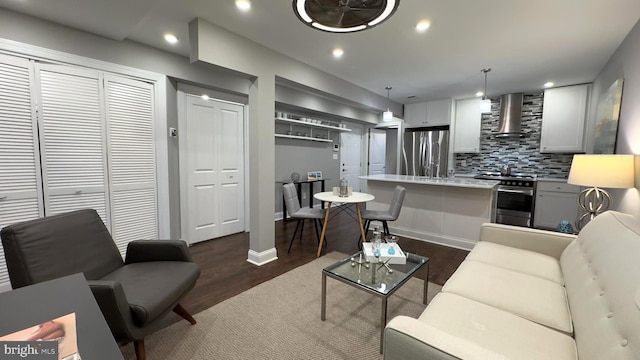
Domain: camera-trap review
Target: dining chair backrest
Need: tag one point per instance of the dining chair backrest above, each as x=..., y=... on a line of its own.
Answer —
x=396, y=202
x=291, y=198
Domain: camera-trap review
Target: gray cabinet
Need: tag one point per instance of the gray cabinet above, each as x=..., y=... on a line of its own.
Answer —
x=555, y=201
x=430, y=113
x=563, y=119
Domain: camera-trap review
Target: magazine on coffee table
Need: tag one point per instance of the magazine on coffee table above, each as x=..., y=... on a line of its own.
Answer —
x=36, y=342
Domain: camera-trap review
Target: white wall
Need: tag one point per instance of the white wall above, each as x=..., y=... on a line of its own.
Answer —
x=625, y=63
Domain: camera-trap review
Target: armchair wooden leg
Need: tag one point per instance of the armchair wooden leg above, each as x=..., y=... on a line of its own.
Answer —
x=184, y=314
x=140, y=352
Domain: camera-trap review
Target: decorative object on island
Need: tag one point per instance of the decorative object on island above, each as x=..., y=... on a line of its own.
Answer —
x=343, y=16
x=606, y=127
x=295, y=177
x=598, y=171
x=344, y=188
x=387, y=115
x=485, y=104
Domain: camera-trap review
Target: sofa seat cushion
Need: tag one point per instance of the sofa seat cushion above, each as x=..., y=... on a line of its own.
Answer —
x=524, y=261
x=152, y=287
x=498, y=331
x=530, y=297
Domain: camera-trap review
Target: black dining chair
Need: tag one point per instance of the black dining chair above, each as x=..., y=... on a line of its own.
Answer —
x=299, y=213
x=384, y=216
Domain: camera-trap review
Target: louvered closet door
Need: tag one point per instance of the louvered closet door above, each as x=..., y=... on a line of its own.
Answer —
x=72, y=143
x=132, y=172
x=20, y=187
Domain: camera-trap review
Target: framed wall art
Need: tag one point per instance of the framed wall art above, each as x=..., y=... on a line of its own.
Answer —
x=314, y=175
x=606, y=125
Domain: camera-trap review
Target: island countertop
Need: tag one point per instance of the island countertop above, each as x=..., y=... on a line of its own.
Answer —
x=456, y=181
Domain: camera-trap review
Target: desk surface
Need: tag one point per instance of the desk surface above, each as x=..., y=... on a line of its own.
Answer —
x=355, y=197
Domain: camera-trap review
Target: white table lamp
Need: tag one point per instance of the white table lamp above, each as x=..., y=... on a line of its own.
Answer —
x=599, y=171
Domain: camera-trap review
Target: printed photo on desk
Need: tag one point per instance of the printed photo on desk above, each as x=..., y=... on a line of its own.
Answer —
x=53, y=339
x=314, y=175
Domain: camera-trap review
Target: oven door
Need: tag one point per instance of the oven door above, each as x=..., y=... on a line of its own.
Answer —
x=514, y=206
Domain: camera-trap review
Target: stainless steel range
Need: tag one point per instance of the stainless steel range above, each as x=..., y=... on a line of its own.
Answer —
x=516, y=193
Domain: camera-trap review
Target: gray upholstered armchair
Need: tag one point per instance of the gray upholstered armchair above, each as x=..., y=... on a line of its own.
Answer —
x=134, y=294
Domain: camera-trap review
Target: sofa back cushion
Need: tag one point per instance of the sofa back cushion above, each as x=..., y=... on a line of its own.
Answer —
x=601, y=271
x=59, y=245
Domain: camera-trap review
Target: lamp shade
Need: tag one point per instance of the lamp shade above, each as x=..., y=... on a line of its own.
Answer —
x=387, y=116
x=485, y=106
x=607, y=171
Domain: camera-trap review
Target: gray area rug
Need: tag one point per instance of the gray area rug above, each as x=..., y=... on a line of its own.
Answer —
x=280, y=319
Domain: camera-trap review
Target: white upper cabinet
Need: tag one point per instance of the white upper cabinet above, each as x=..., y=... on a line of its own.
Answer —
x=431, y=113
x=563, y=119
x=466, y=133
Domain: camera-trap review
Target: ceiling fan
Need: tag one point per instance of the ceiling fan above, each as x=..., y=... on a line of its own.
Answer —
x=344, y=15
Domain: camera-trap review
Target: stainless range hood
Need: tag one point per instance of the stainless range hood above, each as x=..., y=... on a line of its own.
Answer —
x=510, y=116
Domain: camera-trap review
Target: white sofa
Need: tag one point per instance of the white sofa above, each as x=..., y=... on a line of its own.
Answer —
x=530, y=294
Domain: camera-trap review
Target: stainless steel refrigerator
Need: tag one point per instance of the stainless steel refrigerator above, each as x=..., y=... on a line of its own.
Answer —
x=426, y=151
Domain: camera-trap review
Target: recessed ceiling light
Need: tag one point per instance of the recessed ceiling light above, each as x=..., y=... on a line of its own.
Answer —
x=548, y=84
x=423, y=25
x=244, y=5
x=170, y=38
x=204, y=97
x=480, y=93
x=338, y=52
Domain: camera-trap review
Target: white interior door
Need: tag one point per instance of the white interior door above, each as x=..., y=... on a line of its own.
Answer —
x=351, y=157
x=132, y=172
x=20, y=183
x=72, y=141
x=212, y=161
x=377, y=151
x=231, y=164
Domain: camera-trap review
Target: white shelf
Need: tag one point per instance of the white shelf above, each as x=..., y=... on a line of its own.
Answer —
x=309, y=124
x=302, y=138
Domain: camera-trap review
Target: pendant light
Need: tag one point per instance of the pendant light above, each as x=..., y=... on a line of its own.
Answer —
x=387, y=115
x=485, y=104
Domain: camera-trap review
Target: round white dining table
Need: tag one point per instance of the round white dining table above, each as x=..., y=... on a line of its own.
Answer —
x=329, y=197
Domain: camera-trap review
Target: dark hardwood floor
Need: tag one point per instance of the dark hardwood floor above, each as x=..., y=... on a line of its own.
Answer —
x=226, y=272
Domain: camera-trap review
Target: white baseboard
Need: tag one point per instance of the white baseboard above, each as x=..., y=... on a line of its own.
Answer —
x=458, y=243
x=261, y=258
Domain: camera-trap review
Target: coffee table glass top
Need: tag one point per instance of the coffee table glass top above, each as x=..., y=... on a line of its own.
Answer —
x=376, y=278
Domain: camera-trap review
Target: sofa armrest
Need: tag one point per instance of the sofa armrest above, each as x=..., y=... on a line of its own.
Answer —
x=406, y=338
x=114, y=307
x=157, y=250
x=542, y=241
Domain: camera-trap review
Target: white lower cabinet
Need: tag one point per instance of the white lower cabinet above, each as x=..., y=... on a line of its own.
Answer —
x=555, y=201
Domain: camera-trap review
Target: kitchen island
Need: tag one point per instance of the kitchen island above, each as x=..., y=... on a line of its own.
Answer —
x=448, y=211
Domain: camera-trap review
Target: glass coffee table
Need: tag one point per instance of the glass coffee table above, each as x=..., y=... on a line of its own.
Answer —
x=376, y=279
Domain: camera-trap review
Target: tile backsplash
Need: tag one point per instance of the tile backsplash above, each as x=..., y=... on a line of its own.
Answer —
x=521, y=154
